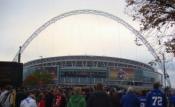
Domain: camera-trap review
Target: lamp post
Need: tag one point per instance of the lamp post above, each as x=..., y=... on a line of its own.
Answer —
x=163, y=61
x=41, y=57
x=164, y=68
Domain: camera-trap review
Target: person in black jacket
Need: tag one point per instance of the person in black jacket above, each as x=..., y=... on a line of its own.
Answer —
x=20, y=95
x=49, y=98
x=115, y=98
x=99, y=98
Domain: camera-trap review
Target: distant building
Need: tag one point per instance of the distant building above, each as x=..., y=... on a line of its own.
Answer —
x=89, y=70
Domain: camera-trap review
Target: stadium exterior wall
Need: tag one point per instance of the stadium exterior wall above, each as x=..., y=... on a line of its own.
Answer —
x=89, y=70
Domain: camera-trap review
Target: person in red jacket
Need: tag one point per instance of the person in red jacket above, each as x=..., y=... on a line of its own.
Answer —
x=42, y=102
x=60, y=100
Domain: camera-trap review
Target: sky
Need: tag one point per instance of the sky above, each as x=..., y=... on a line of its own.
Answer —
x=73, y=35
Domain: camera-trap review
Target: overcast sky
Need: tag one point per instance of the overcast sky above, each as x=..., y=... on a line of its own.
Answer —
x=73, y=35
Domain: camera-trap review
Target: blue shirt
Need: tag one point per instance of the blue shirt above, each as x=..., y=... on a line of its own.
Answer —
x=142, y=100
x=130, y=100
x=173, y=100
x=155, y=98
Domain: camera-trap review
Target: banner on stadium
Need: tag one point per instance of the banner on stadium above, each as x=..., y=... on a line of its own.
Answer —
x=121, y=74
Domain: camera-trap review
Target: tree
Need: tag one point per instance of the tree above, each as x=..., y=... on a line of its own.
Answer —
x=170, y=46
x=31, y=80
x=38, y=78
x=154, y=14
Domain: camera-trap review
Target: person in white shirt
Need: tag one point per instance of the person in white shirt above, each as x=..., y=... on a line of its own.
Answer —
x=29, y=101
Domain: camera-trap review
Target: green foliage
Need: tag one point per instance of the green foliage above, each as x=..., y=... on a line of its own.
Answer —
x=38, y=78
x=31, y=80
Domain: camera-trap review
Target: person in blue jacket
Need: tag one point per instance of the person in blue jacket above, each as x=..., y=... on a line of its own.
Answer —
x=142, y=98
x=156, y=98
x=130, y=99
x=173, y=100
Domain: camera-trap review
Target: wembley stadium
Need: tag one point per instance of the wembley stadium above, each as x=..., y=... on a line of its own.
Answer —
x=89, y=70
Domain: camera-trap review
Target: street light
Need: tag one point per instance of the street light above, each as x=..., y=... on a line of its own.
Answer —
x=164, y=68
x=163, y=60
x=41, y=57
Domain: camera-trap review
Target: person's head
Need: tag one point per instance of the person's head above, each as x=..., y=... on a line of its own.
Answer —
x=143, y=92
x=99, y=87
x=130, y=89
x=156, y=85
x=31, y=94
x=42, y=95
x=57, y=91
x=77, y=90
x=112, y=91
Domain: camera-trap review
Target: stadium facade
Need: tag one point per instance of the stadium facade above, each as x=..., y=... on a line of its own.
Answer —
x=89, y=70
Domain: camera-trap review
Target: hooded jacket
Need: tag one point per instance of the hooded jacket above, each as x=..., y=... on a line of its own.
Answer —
x=76, y=101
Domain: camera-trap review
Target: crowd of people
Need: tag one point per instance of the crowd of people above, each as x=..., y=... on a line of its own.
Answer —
x=96, y=96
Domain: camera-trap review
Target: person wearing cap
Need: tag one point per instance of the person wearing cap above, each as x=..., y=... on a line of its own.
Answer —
x=130, y=99
x=156, y=98
x=29, y=101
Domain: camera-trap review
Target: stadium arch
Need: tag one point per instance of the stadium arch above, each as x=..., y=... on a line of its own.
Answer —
x=86, y=11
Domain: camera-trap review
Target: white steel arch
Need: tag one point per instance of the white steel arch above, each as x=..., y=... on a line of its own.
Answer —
x=87, y=11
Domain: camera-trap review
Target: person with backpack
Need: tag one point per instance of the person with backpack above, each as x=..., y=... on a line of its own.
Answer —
x=77, y=100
